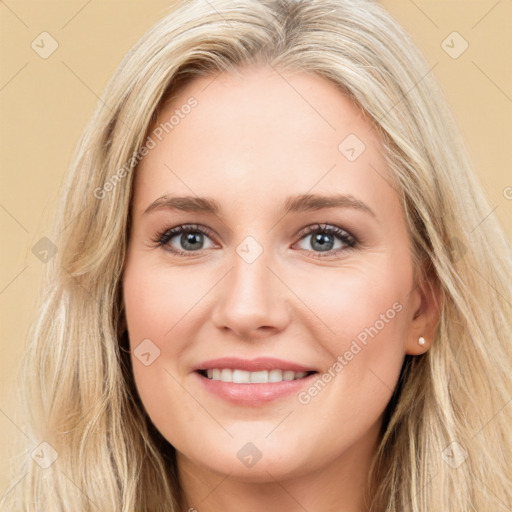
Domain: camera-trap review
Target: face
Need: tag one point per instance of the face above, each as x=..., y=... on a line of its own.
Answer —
x=287, y=257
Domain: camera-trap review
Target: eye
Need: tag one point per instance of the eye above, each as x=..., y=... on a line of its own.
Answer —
x=323, y=238
x=189, y=237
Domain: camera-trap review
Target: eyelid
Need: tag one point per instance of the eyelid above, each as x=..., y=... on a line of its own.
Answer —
x=347, y=238
x=162, y=238
x=326, y=227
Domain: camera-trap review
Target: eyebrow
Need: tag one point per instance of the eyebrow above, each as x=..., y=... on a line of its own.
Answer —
x=300, y=203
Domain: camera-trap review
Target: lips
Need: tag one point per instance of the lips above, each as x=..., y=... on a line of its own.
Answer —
x=252, y=365
x=253, y=382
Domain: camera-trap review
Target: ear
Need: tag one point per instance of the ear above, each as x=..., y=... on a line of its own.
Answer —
x=426, y=301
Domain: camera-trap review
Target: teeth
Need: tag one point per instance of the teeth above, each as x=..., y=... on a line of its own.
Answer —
x=241, y=376
x=260, y=377
x=226, y=375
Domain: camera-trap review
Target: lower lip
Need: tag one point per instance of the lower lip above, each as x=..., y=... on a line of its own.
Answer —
x=254, y=394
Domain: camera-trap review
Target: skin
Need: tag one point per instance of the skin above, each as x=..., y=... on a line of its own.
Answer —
x=251, y=141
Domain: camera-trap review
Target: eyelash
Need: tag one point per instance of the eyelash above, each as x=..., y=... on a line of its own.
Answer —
x=162, y=238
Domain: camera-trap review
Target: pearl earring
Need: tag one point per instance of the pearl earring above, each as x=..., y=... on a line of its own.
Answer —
x=421, y=340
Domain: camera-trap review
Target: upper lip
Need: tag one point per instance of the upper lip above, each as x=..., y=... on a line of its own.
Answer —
x=252, y=365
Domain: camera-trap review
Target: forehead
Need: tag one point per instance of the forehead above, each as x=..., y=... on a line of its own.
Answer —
x=262, y=134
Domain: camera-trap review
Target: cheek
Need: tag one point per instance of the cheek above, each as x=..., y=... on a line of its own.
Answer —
x=157, y=299
x=362, y=326
x=152, y=305
x=162, y=305
x=358, y=301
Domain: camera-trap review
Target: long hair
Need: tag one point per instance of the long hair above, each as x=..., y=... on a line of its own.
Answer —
x=446, y=442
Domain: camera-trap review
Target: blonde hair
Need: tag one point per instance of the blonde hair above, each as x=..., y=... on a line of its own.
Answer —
x=76, y=376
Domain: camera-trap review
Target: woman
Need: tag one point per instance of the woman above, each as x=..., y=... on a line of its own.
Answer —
x=338, y=339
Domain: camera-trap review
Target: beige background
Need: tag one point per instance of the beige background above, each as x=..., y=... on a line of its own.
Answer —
x=46, y=102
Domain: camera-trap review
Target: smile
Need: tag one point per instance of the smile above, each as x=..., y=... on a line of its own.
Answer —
x=238, y=376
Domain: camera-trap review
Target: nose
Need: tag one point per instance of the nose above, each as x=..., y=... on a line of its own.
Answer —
x=252, y=301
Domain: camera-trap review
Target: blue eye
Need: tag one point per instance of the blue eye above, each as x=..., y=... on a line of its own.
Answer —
x=191, y=239
x=323, y=239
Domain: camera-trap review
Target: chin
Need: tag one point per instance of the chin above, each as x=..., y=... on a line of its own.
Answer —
x=257, y=462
